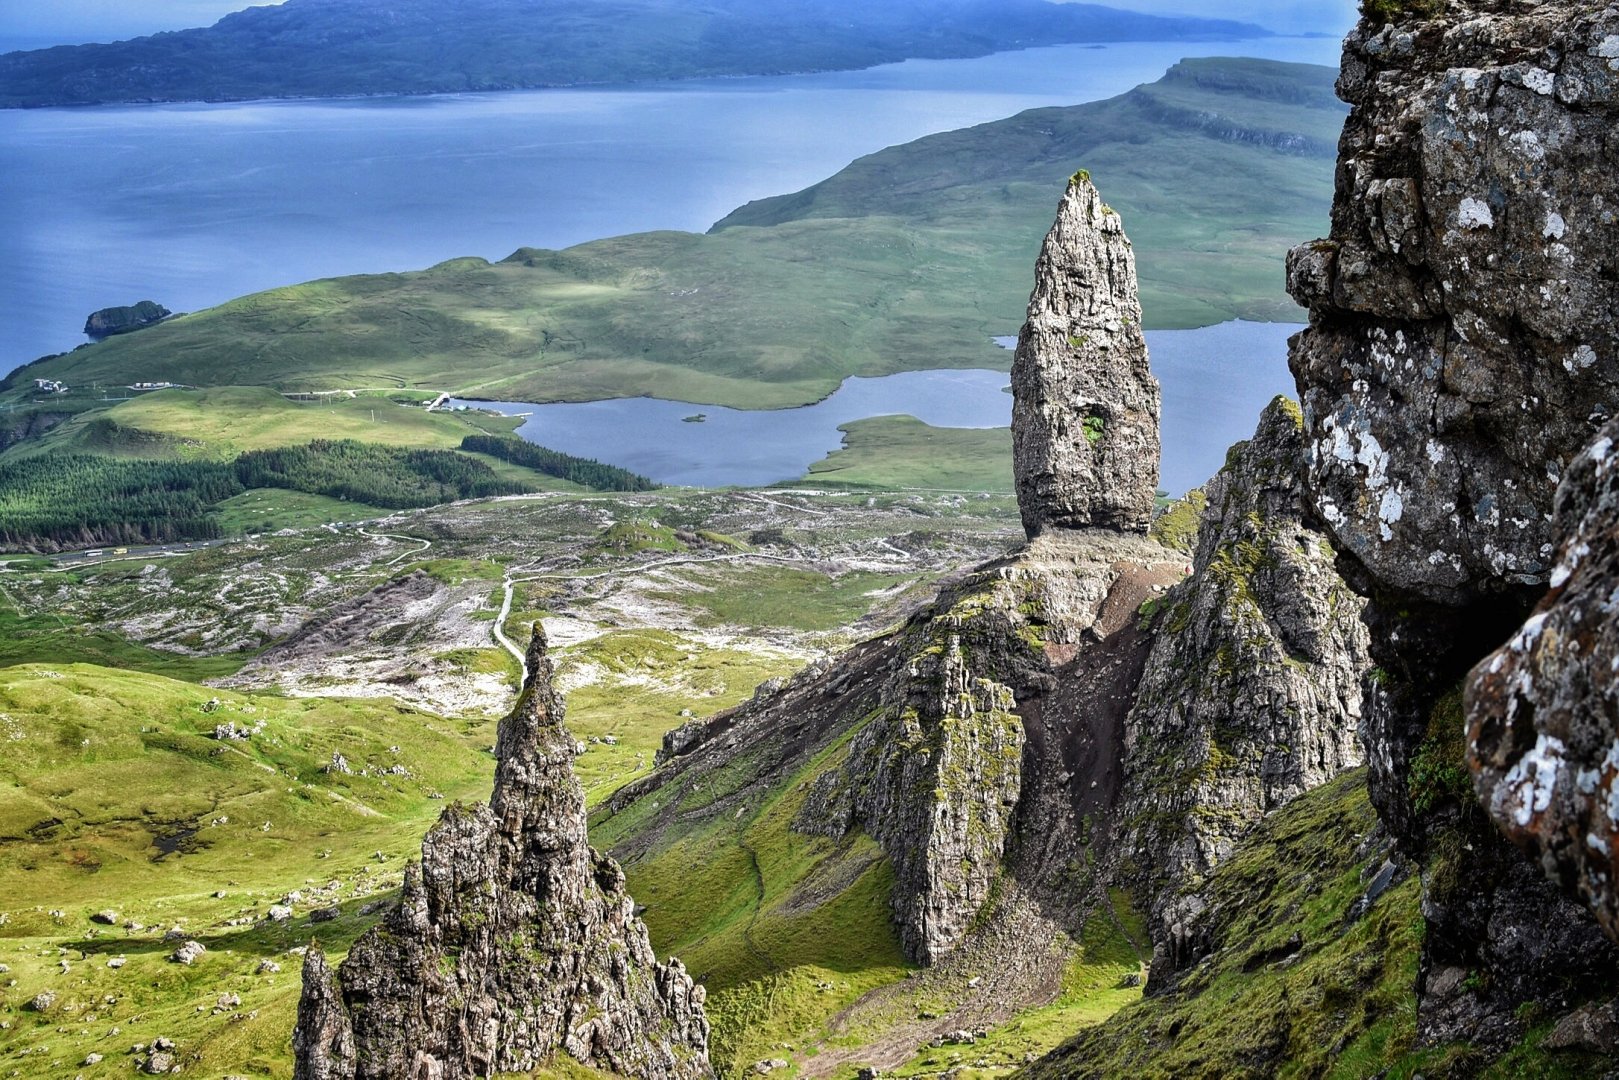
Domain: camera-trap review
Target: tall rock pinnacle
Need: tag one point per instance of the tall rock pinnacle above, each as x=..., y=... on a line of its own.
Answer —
x=512, y=941
x=1085, y=404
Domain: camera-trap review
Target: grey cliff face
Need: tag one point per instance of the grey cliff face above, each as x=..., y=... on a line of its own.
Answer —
x=513, y=941
x=1251, y=695
x=1463, y=343
x=1085, y=405
x=1543, y=711
x=1463, y=349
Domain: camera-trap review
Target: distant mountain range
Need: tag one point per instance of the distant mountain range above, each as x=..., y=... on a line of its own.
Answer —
x=334, y=48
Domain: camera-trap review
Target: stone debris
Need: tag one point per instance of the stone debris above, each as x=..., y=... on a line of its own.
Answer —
x=188, y=952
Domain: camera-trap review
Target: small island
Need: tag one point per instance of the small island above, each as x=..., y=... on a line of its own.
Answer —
x=695, y=418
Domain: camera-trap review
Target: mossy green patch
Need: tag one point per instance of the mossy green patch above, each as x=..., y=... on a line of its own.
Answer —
x=901, y=452
x=1296, y=985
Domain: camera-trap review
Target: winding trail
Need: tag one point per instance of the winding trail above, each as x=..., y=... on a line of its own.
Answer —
x=426, y=544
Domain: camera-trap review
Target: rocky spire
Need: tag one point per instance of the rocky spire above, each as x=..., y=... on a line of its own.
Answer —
x=512, y=940
x=1085, y=404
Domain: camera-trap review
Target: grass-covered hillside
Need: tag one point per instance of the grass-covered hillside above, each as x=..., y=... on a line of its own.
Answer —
x=910, y=259
x=324, y=48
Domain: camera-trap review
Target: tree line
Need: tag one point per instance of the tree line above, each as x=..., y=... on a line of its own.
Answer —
x=587, y=472
x=59, y=502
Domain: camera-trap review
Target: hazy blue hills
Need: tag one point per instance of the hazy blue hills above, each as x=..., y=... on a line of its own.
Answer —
x=330, y=48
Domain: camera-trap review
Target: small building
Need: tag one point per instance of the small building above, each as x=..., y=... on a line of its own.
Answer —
x=50, y=386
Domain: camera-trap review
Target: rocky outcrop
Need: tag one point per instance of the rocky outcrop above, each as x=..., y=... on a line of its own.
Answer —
x=121, y=320
x=1251, y=695
x=513, y=941
x=1084, y=404
x=1463, y=344
x=957, y=760
x=1461, y=352
x=1543, y=711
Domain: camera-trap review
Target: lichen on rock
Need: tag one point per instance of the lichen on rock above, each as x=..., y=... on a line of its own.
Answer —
x=1463, y=349
x=513, y=941
x=1084, y=402
x=1543, y=710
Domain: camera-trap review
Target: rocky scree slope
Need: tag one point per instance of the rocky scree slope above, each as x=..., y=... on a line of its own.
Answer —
x=994, y=743
x=513, y=940
x=1461, y=354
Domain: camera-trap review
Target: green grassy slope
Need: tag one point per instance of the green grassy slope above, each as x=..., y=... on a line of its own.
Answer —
x=114, y=796
x=218, y=423
x=912, y=258
x=1183, y=159
x=343, y=47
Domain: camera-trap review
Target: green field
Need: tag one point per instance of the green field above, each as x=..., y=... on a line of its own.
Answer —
x=900, y=452
x=114, y=796
x=911, y=258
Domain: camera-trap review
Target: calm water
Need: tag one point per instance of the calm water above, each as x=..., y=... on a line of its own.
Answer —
x=1215, y=380
x=191, y=205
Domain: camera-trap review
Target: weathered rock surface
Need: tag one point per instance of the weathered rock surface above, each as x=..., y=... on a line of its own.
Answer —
x=1543, y=711
x=121, y=320
x=1251, y=695
x=954, y=762
x=1085, y=405
x=513, y=940
x=1463, y=343
x=1461, y=353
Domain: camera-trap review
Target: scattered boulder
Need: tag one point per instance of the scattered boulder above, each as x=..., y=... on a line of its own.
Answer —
x=188, y=952
x=325, y=914
x=105, y=918
x=42, y=1001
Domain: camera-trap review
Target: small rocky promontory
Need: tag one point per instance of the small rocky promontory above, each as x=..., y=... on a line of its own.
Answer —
x=513, y=941
x=121, y=320
x=1251, y=695
x=1085, y=405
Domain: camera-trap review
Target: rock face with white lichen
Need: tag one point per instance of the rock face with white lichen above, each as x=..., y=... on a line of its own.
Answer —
x=1463, y=350
x=1543, y=711
x=1085, y=404
x=513, y=941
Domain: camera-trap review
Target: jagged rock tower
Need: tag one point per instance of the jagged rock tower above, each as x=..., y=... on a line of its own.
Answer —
x=513, y=940
x=1085, y=405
